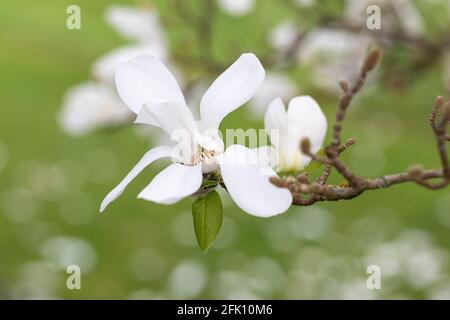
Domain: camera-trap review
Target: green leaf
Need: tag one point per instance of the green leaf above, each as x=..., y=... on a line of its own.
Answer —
x=209, y=183
x=207, y=212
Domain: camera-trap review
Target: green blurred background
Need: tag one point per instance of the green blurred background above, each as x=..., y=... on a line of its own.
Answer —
x=51, y=184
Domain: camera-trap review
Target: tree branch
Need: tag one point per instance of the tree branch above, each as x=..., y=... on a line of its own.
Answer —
x=306, y=193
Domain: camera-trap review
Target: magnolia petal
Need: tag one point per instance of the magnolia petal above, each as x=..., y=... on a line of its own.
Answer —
x=266, y=155
x=90, y=106
x=275, y=121
x=135, y=23
x=173, y=117
x=145, y=80
x=234, y=87
x=144, y=117
x=148, y=158
x=174, y=183
x=305, y=120
x=210, y=141
x=105, y=67
x=236, y=7
x=247, y=181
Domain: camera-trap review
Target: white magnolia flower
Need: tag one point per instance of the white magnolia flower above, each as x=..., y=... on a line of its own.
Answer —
x=287, y=128
x=236, y=7
x=89, y=106
x=135, y=23
x=148, y=88
x=274, y=85
x=333, y=55
x=399, y=14
x=283, y=35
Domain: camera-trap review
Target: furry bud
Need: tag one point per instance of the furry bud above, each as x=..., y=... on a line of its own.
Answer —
x=278, y=182
x=439, y=103
x=305, y=146
x=344, y=86
x=446, y=111
x=371, y=60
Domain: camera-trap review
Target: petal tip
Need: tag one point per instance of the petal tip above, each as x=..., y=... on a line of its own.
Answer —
x=103, y=206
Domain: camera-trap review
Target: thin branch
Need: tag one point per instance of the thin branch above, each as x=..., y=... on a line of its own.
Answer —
x=306, y=193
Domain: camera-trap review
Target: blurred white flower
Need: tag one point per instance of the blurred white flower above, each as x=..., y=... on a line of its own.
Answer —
x=274, y=85
x=233, y=285
x=135, y=23
x=283, y=35
x=89, y=106
x=148, y=88
x=64, y=251
x=187, y=280
x=413, y=256
x=265, y=277
x=310, y=223
x=287, y=128
x=398, y=14
x=236, y=7
x=333, y=55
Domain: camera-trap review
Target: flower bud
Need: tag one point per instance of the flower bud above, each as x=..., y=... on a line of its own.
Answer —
x=344, y=86
x=446, y=111
x=305, y=146
x=439, y=102
x=371, y=60
x=278, y=182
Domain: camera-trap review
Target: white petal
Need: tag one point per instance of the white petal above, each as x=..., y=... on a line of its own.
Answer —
x=172, y=116
x=231, y=89
x=145, y=117
x=145, y=80
x=283, y=35
x=275, y=121
x=248, y=184
x=274, y=85
x=148, y=158
x=135, y=23
x=174, y=183
x=266, y=156
x=90, y=106
x=105, y=67
x=305, y=120
x=331, y=54
x=236, y=7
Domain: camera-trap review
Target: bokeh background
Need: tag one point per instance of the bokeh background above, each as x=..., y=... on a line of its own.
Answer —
x=57, y=163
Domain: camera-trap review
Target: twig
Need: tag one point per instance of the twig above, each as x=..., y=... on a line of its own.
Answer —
x=306, y=193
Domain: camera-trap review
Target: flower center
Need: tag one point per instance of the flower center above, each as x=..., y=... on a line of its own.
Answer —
x=203, y=155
